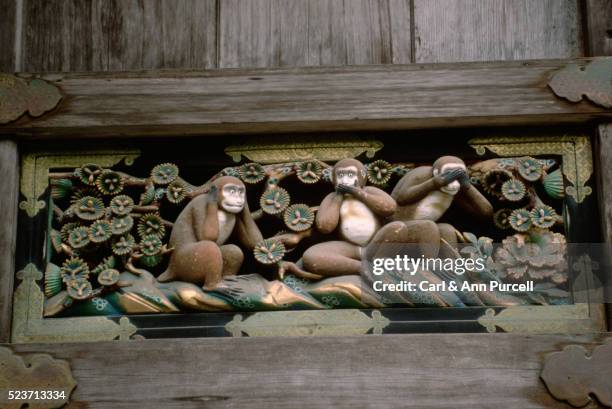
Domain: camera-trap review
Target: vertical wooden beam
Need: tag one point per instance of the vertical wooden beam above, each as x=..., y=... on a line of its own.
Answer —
x=598, y=28
x=603, y=162
x=7, y=35
x=9, y=196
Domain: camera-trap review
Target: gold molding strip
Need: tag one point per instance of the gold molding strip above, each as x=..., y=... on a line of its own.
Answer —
x=576, y=151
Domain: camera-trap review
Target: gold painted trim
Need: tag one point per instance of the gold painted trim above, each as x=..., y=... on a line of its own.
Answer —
x=576, y=151
x=307, y=323
x=546, y=319
x=30, y=326
x=279, y=150
x=35, y=171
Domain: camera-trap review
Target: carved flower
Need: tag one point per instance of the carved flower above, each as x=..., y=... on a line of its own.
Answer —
x=123, y=245
x=67, y=229
x=61, y=188
x=379, y=172
x=78, y=237
x=252, y=172
x=88, y=173
x=309, y=171
x=298, y=217
x=150, y=245
x=274, y=201
x=109, y=183
x=79, y=289
x=175, y=192
x=164, y=174
x=520, y=219
x=513, y=190
x=121, y=205
x=530, y=169
x=121, y=225
x=543, y=216
x=100, y=231
x=493, y=180
x=151, y=261
x=108, y=277
x=151, y=223
x=74, y=268
x=105, y=264
x=89, y=208
x=501, y=218
x=269, y=251
x=539, y=255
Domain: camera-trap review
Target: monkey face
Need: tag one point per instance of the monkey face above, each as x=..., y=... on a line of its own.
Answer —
x=348, y=176
x=232, y=198
x=453, y=187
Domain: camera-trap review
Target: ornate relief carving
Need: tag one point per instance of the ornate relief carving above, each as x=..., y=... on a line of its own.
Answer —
x=594, y=81
x=577, y=163
x=18, y=96
x=307, y=323
x=553, y=319
x=572, y=375
x=34, y=372
x=29, y=325
x=35, y=171
x=274, y=150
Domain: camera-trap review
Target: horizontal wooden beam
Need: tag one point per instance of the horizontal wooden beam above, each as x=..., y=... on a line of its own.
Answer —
x=306, y=99
x=389, y=371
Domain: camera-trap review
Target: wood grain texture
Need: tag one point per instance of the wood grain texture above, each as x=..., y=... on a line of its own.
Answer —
x=7, y=35
x=389, y=371
x=9, y=197
x=277, y=33
x=116, y=35
x=599, y=27
x=308, y=99
x=475, y=30
x=603, y=161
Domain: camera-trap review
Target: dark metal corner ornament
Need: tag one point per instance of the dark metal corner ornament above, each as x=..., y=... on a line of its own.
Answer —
x=18, y=96
x=572, y=375
x=594, y=81
x=38, y=380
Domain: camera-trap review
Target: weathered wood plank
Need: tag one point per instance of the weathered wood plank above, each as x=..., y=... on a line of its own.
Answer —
x=276, y=33
x=7, y=35
x=395, y=371
x=84, y=35
x=307, y=99
x=599, y=27
x=603, y=158
x=474, y=30
x=9, y=197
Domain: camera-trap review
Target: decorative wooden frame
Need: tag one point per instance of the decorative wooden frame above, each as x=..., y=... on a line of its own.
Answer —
x=404, y=97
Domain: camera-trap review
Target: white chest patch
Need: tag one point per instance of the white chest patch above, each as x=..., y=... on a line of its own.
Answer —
x=433, y=206
x=227, y=221
x=357, y=222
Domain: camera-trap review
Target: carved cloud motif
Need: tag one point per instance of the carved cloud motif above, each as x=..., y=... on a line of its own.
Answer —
x=18, y=97
x=35, y=372
x=593, y=81
x=572, y=375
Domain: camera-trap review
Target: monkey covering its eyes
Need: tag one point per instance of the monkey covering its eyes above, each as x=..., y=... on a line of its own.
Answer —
x=201, y=230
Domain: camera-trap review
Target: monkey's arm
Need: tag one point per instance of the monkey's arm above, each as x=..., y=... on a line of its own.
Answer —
x=205, y=222
x=417, y=184
x=473, y=202
x=328, y=214
x=248, y=232
x=379, y=201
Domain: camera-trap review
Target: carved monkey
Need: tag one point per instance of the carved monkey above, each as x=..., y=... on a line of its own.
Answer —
x=201, y=230
x=354, y=211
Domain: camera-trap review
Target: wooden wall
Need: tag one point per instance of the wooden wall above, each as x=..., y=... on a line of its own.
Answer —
x=115, y=35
